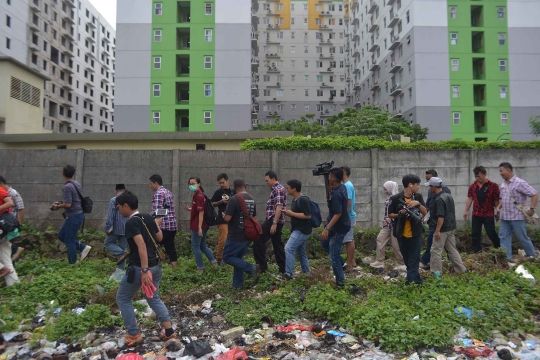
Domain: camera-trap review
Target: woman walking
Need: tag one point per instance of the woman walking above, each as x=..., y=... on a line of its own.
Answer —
x=385, y=235
x=198, y=225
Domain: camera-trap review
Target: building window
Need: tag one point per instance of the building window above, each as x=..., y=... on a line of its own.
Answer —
x=8, y=43
x=455, y=91
x=453, y=38
x=156, y=115
x=502, y=39
x=207, y=62
x=8, y=21
x=501, y=12
x=157, y=35
x=157, y=62
x=207, y=117
x=207, y=90
x=457, y=118
x=504, y=118
x=502, y=65
x=503, y=91
x=158, y=9
x=453, y=12
x=157, y=90
x=455, y=64
x=208, y=8
x=208, y=35
x=408, y=16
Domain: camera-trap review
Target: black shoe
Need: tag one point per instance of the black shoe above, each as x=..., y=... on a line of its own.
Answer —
x=256, y=273
x=287, y=277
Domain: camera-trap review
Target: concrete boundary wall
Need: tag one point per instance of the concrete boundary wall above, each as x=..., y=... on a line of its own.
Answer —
x=37, y=175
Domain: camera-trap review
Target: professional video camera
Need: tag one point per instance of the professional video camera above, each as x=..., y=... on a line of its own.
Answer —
x=412, y=214
x=323, y=169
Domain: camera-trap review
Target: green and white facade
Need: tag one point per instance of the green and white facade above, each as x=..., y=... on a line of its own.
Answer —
x=183, y=65
x=466, y=69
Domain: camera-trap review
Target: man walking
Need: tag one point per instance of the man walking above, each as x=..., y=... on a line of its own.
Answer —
x=6, y=265
x=17, y=211
x=443, y=221
x=406, y=230
x=163, y=199
x=115, y=227
x=349, y=238
x=300, y=214
x=273, y=226
x=338, y=224
x=220, y=199
x=237, y=244
x=424, y=262
x=73, y=213
x=485, y=196
x=514, y=192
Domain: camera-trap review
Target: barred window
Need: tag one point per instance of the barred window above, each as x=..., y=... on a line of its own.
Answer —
x=25, y=92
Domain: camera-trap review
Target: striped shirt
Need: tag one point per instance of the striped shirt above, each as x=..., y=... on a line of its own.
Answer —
x=17, y=201
x=163, y=199
x=115, y=220
x=520, y=191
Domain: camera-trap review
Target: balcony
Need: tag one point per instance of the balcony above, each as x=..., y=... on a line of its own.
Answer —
x=181, y=120
x=356, y=70
x=34, y=47
x=34, y=27
x=182, y=65
x=183, y=12
x=395, y=90
x=270, y=13
x=272, y=42
x=329, y=57
x=91, y=54
x=478, y=42
x=479, y=95
x=394, y=42
x=91, y=24
x=326, y=14
x=375, y=86
x=390, y=2
x=34, y=6
x=394, y=67
x=327, y=42
x=273, y=69
x=373, y=27
x=477, y=18
x=372, y=7
x=356, y=52
x=183, y=38
x=325, y=28
x=329, y=100
x=327, y=71
x=355, y=21
x=356, y=36
x=374, y=66
x=69, y=19
x=479, y=72
x=182, y=93
x=272, y=27
x=394, y=19
x=91, y=38
x=373, y=47
x=274, y=86
x=326, y=86
x=357, y=103
x=70, y=3
x=480, y=123
x=273, y=56
x=356, y=86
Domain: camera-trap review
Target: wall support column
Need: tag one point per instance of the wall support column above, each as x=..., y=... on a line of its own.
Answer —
x=374, y=187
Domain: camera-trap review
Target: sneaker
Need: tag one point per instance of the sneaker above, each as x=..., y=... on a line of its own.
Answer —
x=256, y=273
x=377, y=264
x=17, y=254
x=121, y=259
x=85, y=252
x=401, y=268
x=132, y=341
x=287, y=277
x=220, y=263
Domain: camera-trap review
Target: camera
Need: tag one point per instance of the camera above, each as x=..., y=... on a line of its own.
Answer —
x=323, y=169
x=411, y=214
x=56, y=203
x=160, y=213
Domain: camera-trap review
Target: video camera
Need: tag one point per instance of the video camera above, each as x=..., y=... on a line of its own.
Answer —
x=323, y=169
x=412, y=214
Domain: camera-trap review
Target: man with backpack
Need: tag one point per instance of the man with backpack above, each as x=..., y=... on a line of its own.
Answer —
x=300, y=214
x=240, y=208
x=73, y=215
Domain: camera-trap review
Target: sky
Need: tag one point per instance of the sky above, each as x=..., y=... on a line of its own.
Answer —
x=107, y=8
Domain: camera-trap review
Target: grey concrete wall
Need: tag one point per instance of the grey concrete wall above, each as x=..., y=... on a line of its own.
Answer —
x=37, y=175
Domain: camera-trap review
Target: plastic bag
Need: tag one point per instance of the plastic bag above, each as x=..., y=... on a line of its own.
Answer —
x=117, y=275
x=233, y=354
x=197, y=348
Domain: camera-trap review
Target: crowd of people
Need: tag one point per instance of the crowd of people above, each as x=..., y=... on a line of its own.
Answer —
x=136, y=239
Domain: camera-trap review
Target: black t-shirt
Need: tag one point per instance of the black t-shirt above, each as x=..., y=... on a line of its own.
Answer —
x=236, y=225
x=134, y=227
x=338, y=205
x=219, y=195
x=301, y=205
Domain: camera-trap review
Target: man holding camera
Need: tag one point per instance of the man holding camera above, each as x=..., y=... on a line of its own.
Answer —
x=442, y=221
x=406, y=210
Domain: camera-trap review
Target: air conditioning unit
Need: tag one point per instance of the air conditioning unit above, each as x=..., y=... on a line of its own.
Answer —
x=274, y=98
x=320, y=55
x=327, y=111
x=323, y=84
x=278, y=84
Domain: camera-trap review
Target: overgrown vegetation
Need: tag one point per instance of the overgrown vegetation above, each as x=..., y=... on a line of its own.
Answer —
x=364, y=143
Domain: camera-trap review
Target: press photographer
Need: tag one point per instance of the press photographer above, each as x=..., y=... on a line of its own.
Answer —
x=406, y=210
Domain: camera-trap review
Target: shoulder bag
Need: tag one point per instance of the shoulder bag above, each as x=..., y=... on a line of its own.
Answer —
x=532, y=220
x=160, y=252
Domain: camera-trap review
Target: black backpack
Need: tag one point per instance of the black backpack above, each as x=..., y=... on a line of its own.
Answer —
x=210, y=215
x=86, y=203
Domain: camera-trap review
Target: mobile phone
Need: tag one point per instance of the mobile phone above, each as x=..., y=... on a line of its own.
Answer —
x=130, y=273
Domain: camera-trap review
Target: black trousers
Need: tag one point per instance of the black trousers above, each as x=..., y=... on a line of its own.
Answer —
x=168, y=244
x=259, y=247
x=489, y=225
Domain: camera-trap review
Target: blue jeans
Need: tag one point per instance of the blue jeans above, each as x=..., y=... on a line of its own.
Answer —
x=334, y=252
x=519, y=228
x=426, y=258
x=68, y=235
x=125, y=295
x=296, y=244
x=325, y=244
x=198, y=244
x=233, y=255
x=116, y=250
x=410, y=249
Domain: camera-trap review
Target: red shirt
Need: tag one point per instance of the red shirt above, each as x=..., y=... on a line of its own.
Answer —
x=484, y=198
x=3, y=194
x=197, y=206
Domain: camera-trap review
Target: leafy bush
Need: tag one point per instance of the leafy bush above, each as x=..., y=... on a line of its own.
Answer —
x=362, y=143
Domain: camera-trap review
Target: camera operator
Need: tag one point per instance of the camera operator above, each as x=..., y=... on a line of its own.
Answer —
x=406, y=210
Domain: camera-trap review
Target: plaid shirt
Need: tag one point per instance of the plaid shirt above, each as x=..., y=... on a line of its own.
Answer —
x=385, y=223
x=520, y=191
x=278, y=196
x=17, y=200
x=163, y=199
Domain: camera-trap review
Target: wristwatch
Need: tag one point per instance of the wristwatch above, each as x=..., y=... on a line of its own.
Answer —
x=145, y=270
x=326, y=228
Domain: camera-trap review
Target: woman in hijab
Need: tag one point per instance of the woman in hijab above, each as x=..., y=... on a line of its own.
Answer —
x=385, y=235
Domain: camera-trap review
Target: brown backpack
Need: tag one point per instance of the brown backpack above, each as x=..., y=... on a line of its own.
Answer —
x=252, y=228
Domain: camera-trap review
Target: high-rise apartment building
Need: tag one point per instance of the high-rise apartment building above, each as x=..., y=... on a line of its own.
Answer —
x=300, y=59
x=466, y=69
x=69, y=42
x=183, y=65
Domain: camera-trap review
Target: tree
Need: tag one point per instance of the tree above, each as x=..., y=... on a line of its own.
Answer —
x=373, y=122
x=534, y=122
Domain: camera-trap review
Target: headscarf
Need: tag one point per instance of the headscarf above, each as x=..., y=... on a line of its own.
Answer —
x=391, y=187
